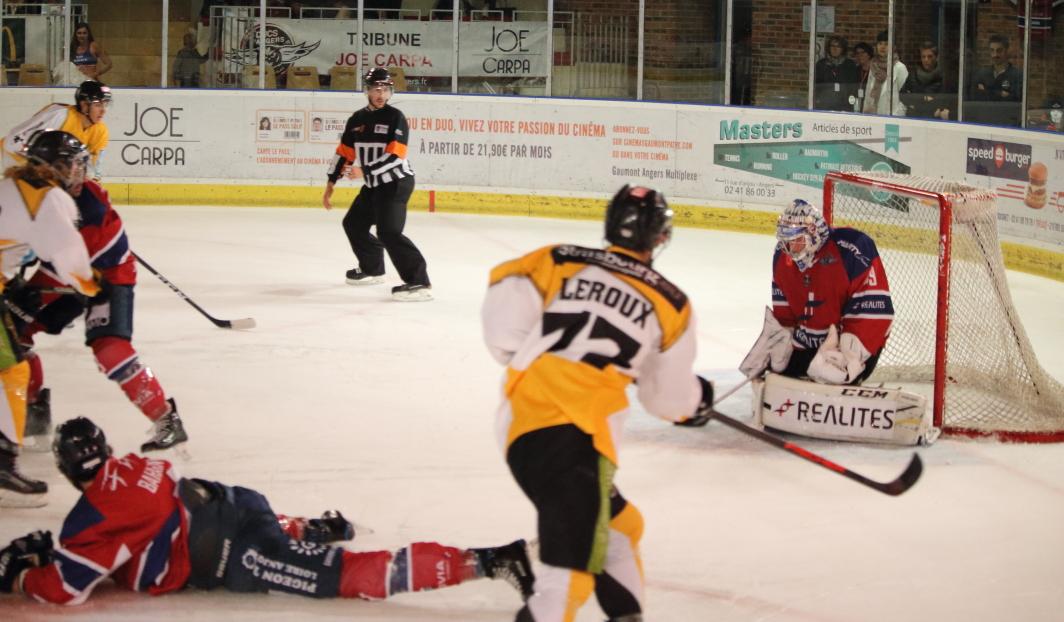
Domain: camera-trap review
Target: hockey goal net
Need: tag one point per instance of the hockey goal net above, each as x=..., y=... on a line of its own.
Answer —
x=955, y=327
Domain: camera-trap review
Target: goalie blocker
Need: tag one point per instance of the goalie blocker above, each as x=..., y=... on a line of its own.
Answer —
x=844, y=413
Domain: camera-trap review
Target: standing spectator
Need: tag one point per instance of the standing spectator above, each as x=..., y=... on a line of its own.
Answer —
x=836, y=77
x=862, y=55
x=87, y=55
x=373, y=147
x=883, y=92
x=925, y=86
x=1000, y=84
x=187, y=64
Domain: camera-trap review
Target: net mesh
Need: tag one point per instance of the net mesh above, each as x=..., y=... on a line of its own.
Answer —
x=994, y=384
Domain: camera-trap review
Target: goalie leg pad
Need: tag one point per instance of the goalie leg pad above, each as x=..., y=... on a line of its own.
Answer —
x=117, y=359
x=846, y=413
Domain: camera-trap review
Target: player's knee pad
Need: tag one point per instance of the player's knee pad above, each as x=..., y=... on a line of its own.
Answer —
x=117, y=359
x=14, y=379
x=560, y=592
x=629, y=522
x=365, y=575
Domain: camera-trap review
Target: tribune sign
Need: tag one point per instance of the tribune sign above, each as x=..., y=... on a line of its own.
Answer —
x=488, y=49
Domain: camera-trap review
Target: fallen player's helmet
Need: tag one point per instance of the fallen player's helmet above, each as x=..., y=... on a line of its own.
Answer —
x=378, y=76
x=801, y=221
x=61, y=152
x=80, y=449
x=92, y=91
x=638, y=218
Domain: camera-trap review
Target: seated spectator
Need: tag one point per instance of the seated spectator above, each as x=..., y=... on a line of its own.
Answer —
x=883, y=93
x=1000, y=86
x=187, y=64
x=862, y=55
x=1000, y=81
x=924, y=87
x=835, y=77
x=87, y=55
x=342, y=10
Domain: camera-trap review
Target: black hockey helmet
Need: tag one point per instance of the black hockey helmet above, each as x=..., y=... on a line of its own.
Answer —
x=638, y=218
x=61, y=151
x=92, y=91
x=378, y=76
x=80, y=449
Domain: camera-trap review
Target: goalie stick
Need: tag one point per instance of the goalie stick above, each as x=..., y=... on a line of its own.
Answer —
x=893, y=488
x=242, y=323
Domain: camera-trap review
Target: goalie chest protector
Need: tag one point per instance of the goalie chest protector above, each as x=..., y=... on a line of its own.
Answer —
x=842, y=412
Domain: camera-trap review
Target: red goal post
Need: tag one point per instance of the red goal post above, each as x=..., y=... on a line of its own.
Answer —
x=955, y=327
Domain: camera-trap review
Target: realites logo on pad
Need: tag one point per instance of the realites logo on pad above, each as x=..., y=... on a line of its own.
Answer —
x=998, y=159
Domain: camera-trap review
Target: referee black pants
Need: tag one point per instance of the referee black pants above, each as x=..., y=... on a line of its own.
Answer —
x=385, y=207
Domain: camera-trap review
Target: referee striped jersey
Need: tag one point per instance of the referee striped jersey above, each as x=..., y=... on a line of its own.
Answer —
x=376, y=140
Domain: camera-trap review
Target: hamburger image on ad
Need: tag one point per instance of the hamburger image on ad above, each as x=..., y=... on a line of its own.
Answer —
x=1038, y=175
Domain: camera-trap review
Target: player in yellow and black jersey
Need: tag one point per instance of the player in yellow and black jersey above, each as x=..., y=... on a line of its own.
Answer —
x=575, y=326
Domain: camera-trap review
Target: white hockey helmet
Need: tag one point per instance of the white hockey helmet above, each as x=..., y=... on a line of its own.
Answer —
x=801, y=232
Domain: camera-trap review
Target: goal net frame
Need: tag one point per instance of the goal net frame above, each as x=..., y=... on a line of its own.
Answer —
x=1038, y=415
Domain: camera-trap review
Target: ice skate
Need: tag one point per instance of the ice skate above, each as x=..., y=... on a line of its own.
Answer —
x=17, y=490
x=168, y=432
x=331, y=527
x=38, y=435
x=356, y=276
x=412, y=292
x=509, y=563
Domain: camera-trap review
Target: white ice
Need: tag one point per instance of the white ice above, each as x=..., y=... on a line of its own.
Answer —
x=342, y=398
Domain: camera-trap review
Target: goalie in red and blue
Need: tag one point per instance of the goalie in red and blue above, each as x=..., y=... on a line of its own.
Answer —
x=141, y=524
x=830, y=319
x=831, y=306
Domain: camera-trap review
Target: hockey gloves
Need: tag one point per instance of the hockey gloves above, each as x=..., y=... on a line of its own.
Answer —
x=702, y=415
x=840, y=359
x=773, y=348
x=30, y=551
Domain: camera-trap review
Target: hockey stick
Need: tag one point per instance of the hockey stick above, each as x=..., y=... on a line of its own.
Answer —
x=893, y=488
x=242, y=323
x=746, y=381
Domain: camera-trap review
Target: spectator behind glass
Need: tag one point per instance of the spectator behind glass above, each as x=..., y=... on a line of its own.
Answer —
x=881, y=96
x=1000, y=85
x=925, y=85
x=862, y=55
x=87, y=55
x=836, y=77
x=187, y=64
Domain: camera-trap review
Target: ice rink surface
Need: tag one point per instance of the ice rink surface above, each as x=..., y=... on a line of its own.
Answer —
x=342, y=398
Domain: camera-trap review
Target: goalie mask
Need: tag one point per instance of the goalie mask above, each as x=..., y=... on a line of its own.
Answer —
x=639, y=219
x=61, y=152
x=80, y=449
x=801, y=232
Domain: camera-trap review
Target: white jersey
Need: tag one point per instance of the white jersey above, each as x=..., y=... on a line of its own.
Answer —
x=42, y=222
x=58, y=117
x=575, y=326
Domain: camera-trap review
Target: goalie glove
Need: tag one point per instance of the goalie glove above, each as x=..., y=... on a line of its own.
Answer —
x=840, y=359
x=30, y=551
x=702, y=414
x=773, y=348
